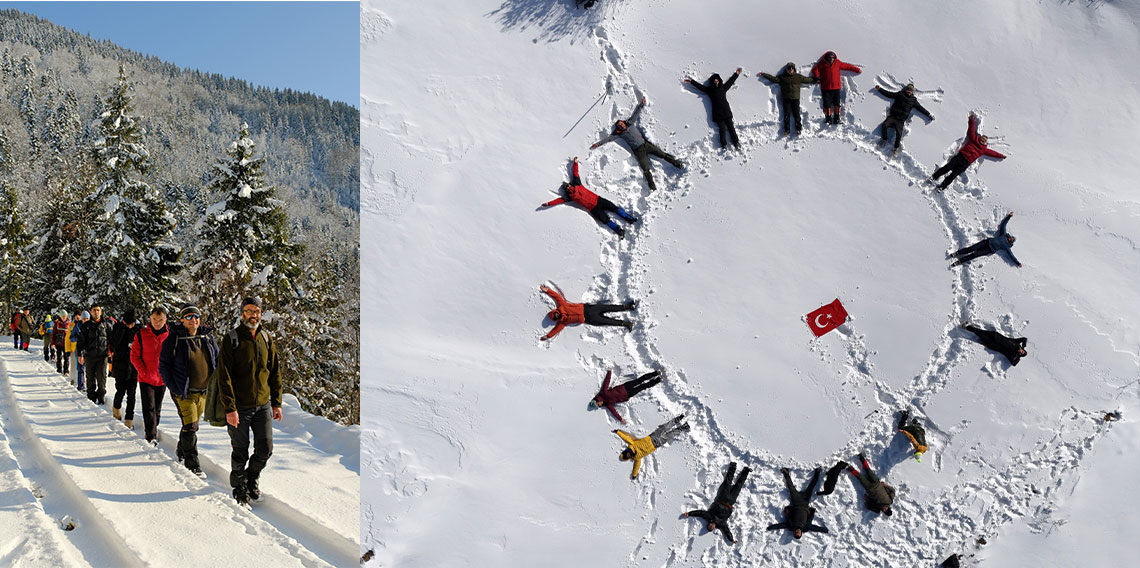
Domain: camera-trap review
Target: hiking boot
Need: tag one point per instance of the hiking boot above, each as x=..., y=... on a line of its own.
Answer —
x=129, y=423
x=116, y=413
x=153, y=443
x=254, y=491
x=241, y=495
x=785, y=470
x=198, y=471
x=627, y=325
x=630, y=304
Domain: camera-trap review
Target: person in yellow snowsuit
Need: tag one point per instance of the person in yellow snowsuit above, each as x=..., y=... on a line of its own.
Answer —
x=640, y=447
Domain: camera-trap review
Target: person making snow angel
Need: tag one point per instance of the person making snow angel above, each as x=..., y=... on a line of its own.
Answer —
x=641, y=447
x=790, y=82
x=903, y=102
x=598, y=207
x=798, y=514
x=914, y=433
x=974, y=148
x=608, y=397
x=1000, y=242
x=641, y=148
x=879, y=496
x=826, y=71
x=1012, y=347
x=718, y=513
x=568, y=313
x=717, y=92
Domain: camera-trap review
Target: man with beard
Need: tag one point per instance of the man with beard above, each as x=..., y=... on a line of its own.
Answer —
x=250, y=389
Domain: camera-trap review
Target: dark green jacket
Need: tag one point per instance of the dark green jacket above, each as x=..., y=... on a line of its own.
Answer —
x=248, y=373
x=790, y=83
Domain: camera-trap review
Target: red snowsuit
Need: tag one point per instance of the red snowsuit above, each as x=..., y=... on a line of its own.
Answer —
x=578, y=193
x=973, y=148
x=612, y=396
x=828, y=74
x=570, y=312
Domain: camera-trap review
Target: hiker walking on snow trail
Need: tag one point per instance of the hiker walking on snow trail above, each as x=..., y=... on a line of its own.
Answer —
x=639, y=146
x=608, y=397
x=249, y=384
x=914, y=432
x=59, y=334
x=974, y=148
x=46, y=329
x=827, y=72
x=641, y=447
x=94, y=348
x=77, y=326
x=598, y=207
x=1012, y=347
x=15, y=334
x=790, y=82
x=879, y=496
x=721, y=509
x=189, y=355
x=24, y=326
x=903, y=102
x=568, y=313
x=125, y=374
x=717, y=92
x=1000, y=242
x=145, y=359
x=798, y=514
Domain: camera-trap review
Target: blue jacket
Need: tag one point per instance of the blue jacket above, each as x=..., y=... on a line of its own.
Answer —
x=173, y=362
x=999, y=242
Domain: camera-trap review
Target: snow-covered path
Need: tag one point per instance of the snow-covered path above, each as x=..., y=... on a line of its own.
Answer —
x=134, y=505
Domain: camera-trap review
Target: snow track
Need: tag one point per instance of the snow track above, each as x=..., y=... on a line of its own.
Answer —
x=994, y=494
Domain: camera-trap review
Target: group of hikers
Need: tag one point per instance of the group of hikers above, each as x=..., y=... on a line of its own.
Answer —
x=234, y=383
x=827, y=72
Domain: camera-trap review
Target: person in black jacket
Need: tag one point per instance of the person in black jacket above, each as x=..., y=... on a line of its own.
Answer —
x=718, y=513
x=1012, y=347
x=899, y=114
x=126, y=377
x=94, y=348
x=721, y=112
x=798, y=514
x=188, y=357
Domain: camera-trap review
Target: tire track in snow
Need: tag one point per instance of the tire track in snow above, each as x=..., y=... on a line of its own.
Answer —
x=922, y=527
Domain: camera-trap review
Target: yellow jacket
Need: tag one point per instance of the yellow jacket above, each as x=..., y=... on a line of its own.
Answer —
x=641, y=447
x=68, y=344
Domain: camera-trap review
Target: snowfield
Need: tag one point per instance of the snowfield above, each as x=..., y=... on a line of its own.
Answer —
x=65, y=461
x=480, y=450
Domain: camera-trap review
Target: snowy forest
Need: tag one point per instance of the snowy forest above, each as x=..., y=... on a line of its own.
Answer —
x=133, y=182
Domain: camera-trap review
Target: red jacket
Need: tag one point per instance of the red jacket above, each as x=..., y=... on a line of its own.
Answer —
x=973, y=148
x=610, y=397
x=145, y=352
x=828, y=73
x=570, y=313
x=578, y=193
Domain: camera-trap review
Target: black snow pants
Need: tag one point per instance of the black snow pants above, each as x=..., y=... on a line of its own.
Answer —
x=126, y=383
x=892, y=123
x=643, y=152
x=729, y=491
x=801, y=497
x=955, y=166
x=96, y=378
x=792, y=109
x=151, y=408
x=648, y=380
x=595, y=314
x=976, y=250
x=243, y=467
x=727, y=133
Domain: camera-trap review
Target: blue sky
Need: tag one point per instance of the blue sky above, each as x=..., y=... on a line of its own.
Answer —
x=305, y=46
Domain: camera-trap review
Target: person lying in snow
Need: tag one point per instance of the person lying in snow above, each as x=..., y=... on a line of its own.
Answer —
x=717, y=92
x=899, y=113
x=826, y=71
x=914, y=432
x=639, y=146
x=1000, y=242
x=1012, y=347
x=974, y=148
x=798, y=514
x=598, y=207
x=640, y=447
x=790, y=82
x=567, y=313
x=879, y=496
x=607, y=397
x=721, y=509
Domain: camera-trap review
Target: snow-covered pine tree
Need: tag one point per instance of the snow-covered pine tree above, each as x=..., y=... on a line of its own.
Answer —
x=13, y=238
x=129, y=264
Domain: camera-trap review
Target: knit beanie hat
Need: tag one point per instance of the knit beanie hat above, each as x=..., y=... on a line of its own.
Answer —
x=188, y=309
x=85, y=315
x=254, y=301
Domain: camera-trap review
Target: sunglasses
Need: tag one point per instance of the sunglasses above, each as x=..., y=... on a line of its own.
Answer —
x=192, y=317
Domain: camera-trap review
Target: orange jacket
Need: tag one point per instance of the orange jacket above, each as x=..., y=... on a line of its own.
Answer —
x=569, y=313
x=918, y=448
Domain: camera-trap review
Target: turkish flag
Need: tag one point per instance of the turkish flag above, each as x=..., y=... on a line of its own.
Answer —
x=827, y=318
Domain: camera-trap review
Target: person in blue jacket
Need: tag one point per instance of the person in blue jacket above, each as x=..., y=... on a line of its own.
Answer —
x=1000, y=242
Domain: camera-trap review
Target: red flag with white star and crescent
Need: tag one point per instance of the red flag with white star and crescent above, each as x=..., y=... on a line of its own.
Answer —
x=827, y=318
